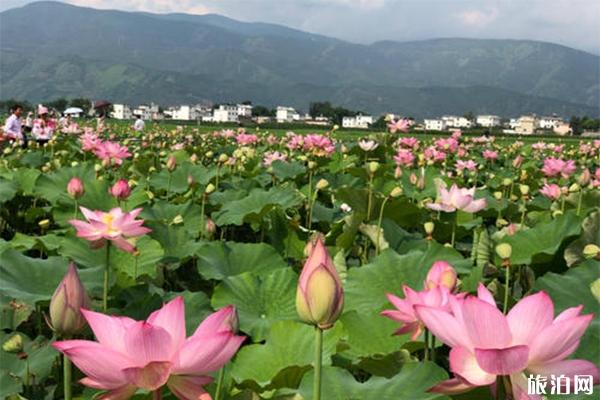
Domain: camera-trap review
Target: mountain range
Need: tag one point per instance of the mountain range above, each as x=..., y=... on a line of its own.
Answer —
x=50, y=50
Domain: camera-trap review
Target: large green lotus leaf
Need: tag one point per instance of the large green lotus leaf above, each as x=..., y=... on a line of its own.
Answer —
x=218, y=260
x=366, y=286
x=134, y=266
x=13, y=313
x=410, y=384
x=79, y=251
x=176, y=241
x=287, y=354
x=32, y=279
x=591, y=235
x=26, y=178
x=47, y=242
x=40, y=357
x=178, y=178
x=370, y=335
x=8, y=189
x=261, y=300
x=572, y=289
x=53, y=186
x=287, y=170
x=541, y=242
x=256, y=205
x=164, y=212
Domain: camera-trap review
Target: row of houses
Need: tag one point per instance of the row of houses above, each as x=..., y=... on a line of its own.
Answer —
x=524, y=125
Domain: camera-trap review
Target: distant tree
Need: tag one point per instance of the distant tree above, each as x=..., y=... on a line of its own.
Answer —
x=58, y=104
x=326, y=109
x=590, y=124
x=7, y=105
x=470, y=116
x=262, y=111
x=246, y=102
x=381, y=123
x=575, y=124
x=83, y=103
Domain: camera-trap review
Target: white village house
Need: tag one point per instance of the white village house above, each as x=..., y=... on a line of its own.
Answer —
x=435, y=124
x=121, y=111
x=453, y=121
x=147, y=112
x=488, y=121
x=244, y=110
x=226, y=113
x=358, y=121
x=286, y=114
x=550, y=122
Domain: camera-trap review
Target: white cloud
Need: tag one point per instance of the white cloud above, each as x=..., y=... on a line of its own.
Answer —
x=155, y=6
x=478, y=18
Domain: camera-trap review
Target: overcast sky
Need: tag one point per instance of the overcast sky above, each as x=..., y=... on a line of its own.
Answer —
x=573, y=23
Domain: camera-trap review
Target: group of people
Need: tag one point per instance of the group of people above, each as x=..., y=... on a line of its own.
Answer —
x=41, y=129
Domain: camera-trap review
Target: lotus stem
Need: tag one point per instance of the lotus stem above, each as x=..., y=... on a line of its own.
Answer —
x=507, y=286
x=377, y=244
x=318, y=363
x=76, y=209
x=370, y=197
x=579, y=202
x=202, y=206
x=106, y=276
x=311, y=207
x=67, y=378
x=157, y=394
x=218, y=176
x=169, y=185
x=426, y=354
x=308, y=214
x=220, y=380
x=454, y=229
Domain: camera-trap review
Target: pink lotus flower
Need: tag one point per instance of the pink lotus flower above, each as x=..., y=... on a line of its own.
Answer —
x=539, y=146
x=457, y=134
x=457, y=199
x=436, y=294
x=486, y=343
x=432, y=154
x=75, y=188
x=131, y=355
x=551, y=191
x=556, y=166
x=318, y=145
x=112, y=153
x=404, y=158
x=409, y=142
x=116, y=226
x=120, y=190
x=89, y=141
x=246, y=139
x=294, y=141
x=516, y=163
x=272, y=156
x=400, y=125
x=468, y=165
x=367, y=145
x=447, y=144
x=490, y=155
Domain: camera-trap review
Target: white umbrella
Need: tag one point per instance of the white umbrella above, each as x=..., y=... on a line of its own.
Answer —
x=73, y=110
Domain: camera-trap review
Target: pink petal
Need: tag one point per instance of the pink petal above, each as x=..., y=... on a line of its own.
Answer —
x=486, y=325
x=201, y=355
x=122, y=244
x=171, y=317
x=443, y=325
x=475, y=205
x=569, y=313
x=529, y=317
x=452, y=386
x=151, y=376
x=122, y=393
x=214, y=323
x=397, y=316
x=109, y=331
x=146, y=343
x=99, y=363
x=484, y=294
x=403, y=305
x=503, y=361
x=89, y=214
x=557, y=341
x=189, y=387
x=464, y=364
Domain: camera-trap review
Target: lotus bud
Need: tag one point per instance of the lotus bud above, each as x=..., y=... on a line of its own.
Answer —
x=74, y=163
x=75, y=188
x=574, y=188
x=320, y=295
x=322, y=184
x=372, y=167
x=209, y=154
x=585, y=177
x=336, y=127
x=429, y=227
x=14, y=344
x=120, y=190
x=514, y=197
x=396, y=192
x=498, y=195
x=210, y=227
x=171, y=163
x=190, y=180
x=398, y=172
x=209, y=188
x=70, y=296
x=504, y=251
x=44, y=224
x=223, y=158
x=524, y=189
x=500, y=222
x=441, y=274
x=507, y=182
x=177, y=220
x=97, y=167
x=105, y=163
x=194, y=158
x=413, y=178
x=312, y=165
x=152, y=169
x=591, y=251
x=149, y=194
